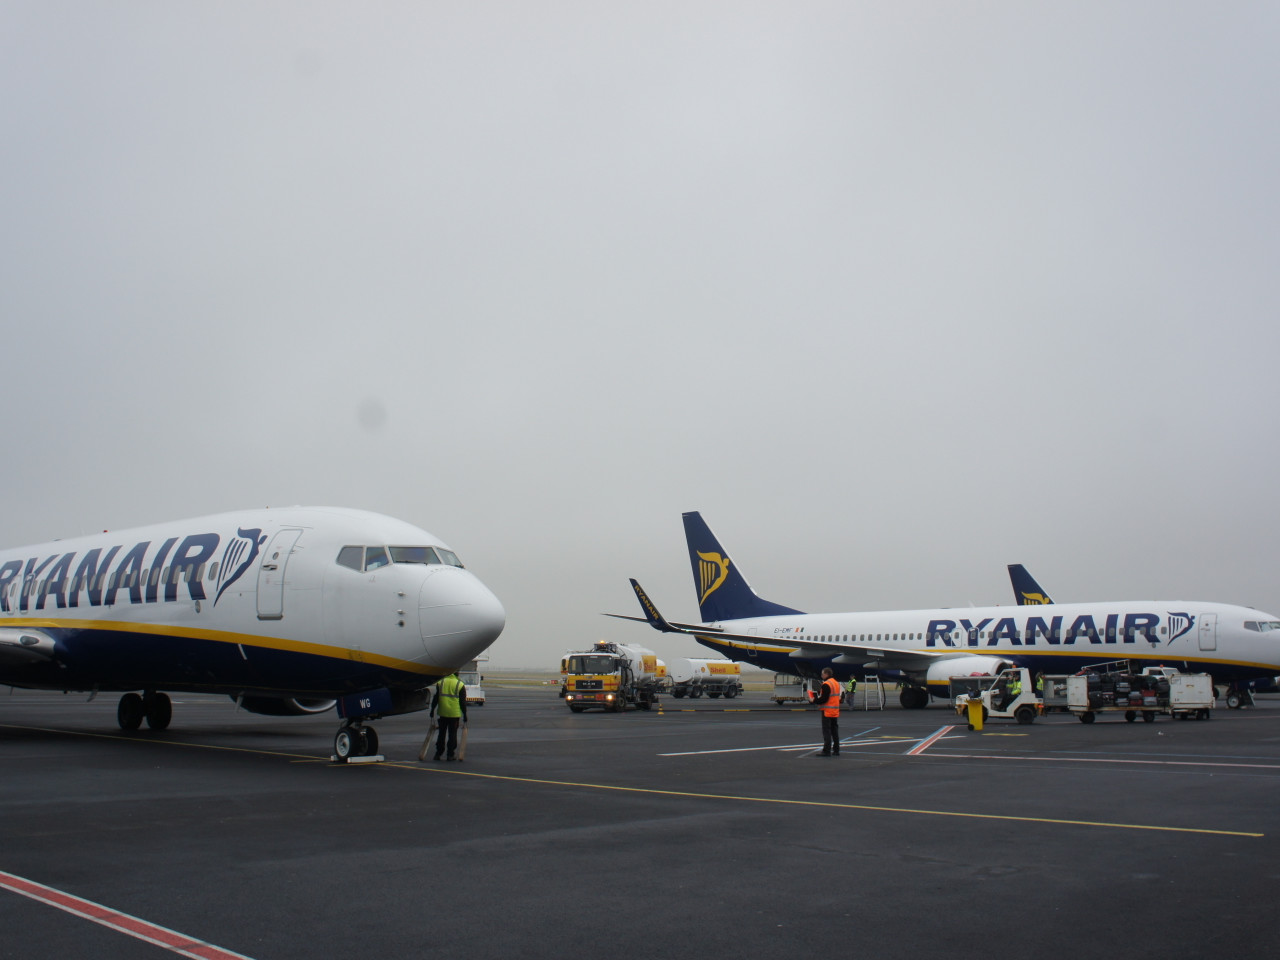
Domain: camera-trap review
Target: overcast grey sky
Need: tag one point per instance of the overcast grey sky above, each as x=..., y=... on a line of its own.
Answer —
x=894, y=293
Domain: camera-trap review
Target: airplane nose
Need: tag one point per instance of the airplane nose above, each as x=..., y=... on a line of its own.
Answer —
x=457, y=611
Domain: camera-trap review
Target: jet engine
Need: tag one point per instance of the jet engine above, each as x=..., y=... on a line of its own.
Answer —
x=284, y=706
x=941, y=671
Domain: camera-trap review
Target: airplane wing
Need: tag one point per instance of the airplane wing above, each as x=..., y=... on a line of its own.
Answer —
x=24, y=646
x=804, y=649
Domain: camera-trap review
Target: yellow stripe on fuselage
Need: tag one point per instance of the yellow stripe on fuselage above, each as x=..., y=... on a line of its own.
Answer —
x=243, y=639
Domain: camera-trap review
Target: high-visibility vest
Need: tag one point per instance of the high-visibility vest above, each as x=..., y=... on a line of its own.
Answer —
x=832, y=707
x=1040, y=684
x=1015, y=687
x=449, y=704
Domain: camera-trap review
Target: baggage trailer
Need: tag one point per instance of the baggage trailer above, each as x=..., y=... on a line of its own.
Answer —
x=1117, y=688
x=788, y=687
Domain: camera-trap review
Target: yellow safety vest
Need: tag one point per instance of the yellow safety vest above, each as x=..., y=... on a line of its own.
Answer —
x=449, y=704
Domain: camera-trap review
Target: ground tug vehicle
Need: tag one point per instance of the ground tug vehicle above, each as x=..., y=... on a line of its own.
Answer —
x=610, y=676
x=993, y=697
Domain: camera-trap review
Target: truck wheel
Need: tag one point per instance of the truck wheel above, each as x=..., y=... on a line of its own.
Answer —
x=1086, y=717
x=1148, y=716
x=1025, y=714
x=1130, y=716
x=619, y=705
x=730, y=693
x=644, y=705
x=575, y=708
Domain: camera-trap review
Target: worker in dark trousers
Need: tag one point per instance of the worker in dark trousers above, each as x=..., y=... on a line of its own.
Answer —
x=828, y=697
x=450, y=701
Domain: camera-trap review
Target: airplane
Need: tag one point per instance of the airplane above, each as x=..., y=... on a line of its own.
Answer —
x=1026, y=591
x=288, y=611
x=926, y=648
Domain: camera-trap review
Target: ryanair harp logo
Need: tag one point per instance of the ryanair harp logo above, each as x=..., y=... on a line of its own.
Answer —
x=713, y=570
x=1034, y=599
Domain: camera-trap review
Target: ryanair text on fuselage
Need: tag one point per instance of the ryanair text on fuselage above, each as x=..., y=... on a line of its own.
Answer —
x=140, y=571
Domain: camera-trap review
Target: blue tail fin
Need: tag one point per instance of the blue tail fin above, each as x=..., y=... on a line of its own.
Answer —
x=723, y=592
x=1025, y=589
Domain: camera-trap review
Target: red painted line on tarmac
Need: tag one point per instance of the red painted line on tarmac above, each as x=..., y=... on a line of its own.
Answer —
x=115, y=920
x=924, y=745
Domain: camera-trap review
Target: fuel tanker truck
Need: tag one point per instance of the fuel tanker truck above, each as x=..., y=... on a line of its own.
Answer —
x=610, y=676
x=692, y=678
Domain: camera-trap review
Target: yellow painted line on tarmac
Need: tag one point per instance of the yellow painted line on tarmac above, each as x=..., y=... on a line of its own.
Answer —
x=821, y=803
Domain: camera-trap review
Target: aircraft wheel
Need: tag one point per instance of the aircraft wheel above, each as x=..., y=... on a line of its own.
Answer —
x=159, y=710
x=1234, y=701
x=346, y=744
x=370, y=742
x=130, y=712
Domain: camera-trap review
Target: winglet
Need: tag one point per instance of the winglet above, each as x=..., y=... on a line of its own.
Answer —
x=651, y=614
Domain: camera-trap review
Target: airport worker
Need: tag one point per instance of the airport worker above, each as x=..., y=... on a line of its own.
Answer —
x=853, y=688
x=450, y=701
x=1039, y=684
x=828, y=697
x=1013, y=688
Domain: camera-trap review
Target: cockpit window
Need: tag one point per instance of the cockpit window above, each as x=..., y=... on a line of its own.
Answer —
x=375, y=557
x=352, y=557
x=413, y=555
x=449, y=557
x=1262, y=626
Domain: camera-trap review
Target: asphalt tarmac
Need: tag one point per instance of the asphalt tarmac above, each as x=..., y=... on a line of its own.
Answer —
x=695, y=831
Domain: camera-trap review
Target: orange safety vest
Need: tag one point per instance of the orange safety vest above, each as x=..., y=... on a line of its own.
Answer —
x=832, y=707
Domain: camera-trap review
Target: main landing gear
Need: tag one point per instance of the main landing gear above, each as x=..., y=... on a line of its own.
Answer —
x=913, y=698
x=354, y=740
x=155, y=708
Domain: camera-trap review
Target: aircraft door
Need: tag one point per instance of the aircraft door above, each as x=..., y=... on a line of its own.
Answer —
x=1208, y=631
x=272, y=572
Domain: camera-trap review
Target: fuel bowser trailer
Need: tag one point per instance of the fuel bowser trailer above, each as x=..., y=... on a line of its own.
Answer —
x=610, y=676
x=714, y=678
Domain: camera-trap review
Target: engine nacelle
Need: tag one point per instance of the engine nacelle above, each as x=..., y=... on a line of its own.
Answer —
x=941, y=671
x=284, y=706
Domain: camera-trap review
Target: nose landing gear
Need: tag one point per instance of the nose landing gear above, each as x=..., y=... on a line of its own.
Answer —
x=355, y=741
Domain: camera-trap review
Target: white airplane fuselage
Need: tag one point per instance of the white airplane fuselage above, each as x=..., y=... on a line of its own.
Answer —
x=931, y=646
x=259, y=604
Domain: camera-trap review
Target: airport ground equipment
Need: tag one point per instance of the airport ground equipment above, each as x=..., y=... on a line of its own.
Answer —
x=1117, y=688
x=695, y=678
x=611, y=675
x=788, y=687
x=996, y=700
x=470, y=676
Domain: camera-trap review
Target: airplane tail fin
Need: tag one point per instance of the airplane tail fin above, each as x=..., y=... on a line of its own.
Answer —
x=723, y=592
x=1025, y=589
